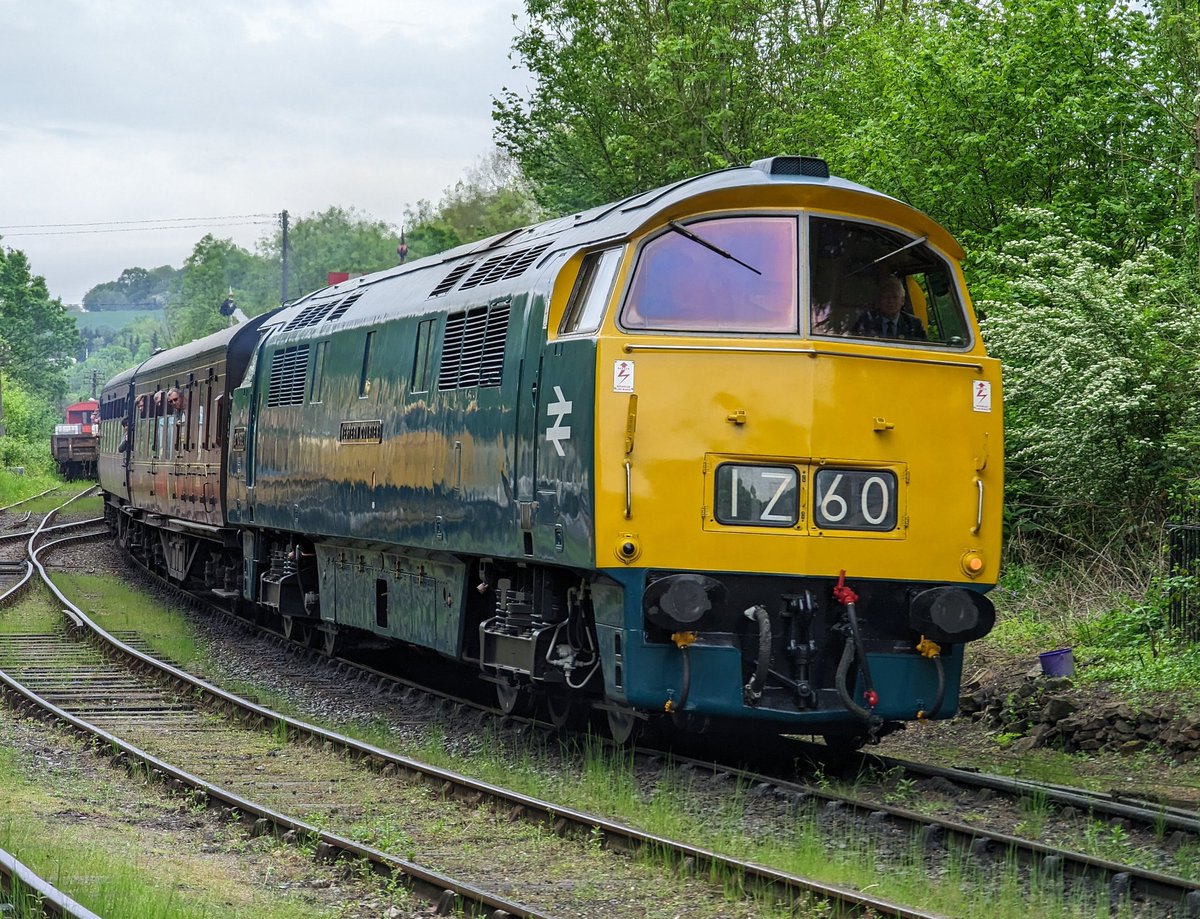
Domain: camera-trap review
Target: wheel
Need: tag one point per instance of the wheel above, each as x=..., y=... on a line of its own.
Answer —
x=511, y=697
x=623, y=725
x=290, y=628
x=561, y=707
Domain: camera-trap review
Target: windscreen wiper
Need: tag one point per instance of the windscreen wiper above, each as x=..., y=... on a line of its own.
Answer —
x=684, y=231
x=884, y=258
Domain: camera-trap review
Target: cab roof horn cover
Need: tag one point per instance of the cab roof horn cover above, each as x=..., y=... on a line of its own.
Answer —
x=810, y=167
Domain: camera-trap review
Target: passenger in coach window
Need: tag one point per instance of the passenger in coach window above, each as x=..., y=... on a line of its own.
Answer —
x=888, y=319
x=123, y=447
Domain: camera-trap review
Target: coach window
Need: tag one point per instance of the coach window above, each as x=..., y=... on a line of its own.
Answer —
x=219, y=420
x=190, y=440
x=206, y=412
x=592, y=290
x=735, y=274
x=874, y=282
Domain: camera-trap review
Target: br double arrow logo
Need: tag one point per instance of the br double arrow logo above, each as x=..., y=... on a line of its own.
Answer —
x=559, y=410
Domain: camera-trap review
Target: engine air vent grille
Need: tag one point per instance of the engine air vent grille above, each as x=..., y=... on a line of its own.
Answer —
x=344, y=304
x=310, y=315
x=473, y=349
x=503, y=266
x=448, y=282
x=810, y=166
x=289, y=371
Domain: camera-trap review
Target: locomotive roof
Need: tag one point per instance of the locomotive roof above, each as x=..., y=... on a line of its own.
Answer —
x=512, y=252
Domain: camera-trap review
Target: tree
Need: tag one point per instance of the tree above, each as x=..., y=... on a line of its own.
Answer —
x=136, y=288
x=1177, y=92
x=631, y=94
x=492, y=198
x=1100, y=372
x=215, y=267
x=38, y=333
x=971, y=110
x=337, y=239
x=967, y=109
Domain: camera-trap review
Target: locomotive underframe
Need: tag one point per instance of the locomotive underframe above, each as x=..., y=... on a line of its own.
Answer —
x=534, y=626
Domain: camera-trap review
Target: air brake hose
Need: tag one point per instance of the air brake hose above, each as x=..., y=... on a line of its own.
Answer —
x=941, y=690
x=683, y=640
x=843, y=671
x=848, y=598
x=931, y=649
x=758, y=613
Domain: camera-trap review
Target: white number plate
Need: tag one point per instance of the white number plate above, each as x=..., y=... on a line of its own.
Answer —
x=758, y=496
x=855, y=499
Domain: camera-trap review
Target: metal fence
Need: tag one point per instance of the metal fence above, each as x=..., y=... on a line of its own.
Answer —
x=1183, y=547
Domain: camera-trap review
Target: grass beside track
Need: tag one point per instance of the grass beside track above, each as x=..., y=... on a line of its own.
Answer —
x=125, y=850
x=15, y=487
x=606, y=782
x=116, y=607
x=122, y=858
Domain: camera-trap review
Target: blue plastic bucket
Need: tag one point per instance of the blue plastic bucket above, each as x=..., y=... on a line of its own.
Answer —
x=1058, y=663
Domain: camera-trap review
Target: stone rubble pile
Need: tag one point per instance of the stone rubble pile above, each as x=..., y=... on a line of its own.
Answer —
x=1050, y=712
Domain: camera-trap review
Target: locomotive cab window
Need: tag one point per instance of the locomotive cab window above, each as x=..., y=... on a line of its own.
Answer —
x=873, y=282
x=592, y=289
x=733, y=274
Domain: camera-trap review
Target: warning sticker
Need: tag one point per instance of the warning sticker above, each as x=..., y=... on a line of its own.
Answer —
x=981, y=396
x=622, y=376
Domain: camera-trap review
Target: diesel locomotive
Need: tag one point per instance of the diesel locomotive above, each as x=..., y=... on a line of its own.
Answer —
x=726, y=452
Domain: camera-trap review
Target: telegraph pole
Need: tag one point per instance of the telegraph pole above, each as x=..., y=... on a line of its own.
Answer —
x=283, y=290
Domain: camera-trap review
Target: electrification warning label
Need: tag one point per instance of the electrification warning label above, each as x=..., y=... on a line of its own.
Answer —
x=981, y=396
x=622, y=376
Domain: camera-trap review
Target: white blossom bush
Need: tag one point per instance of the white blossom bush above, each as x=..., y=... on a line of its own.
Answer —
x=1100, y=367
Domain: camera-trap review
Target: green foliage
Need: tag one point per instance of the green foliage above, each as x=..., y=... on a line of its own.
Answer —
x=966, y=109
x=337, y=239
x=492, y=198
x=630, y=94
x=213, y=269
x=975, y=109
x=135, y=289
x=105, y=326
x=27, y=415
x=1136, y=646
x=37, y=334
x=29, y=419
x=1099, y=369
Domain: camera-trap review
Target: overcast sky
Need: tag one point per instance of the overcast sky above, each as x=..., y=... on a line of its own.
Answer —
x=139, y=110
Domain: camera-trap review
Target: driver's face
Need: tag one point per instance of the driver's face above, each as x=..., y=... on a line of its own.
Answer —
x=890, y=302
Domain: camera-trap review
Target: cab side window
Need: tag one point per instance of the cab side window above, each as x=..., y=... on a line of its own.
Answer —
x=591, y=293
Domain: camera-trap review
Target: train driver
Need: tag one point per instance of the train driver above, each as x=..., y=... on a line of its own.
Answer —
x=888, y=318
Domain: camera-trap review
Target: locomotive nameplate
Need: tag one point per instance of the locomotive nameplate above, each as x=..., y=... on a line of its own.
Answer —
x=361, y=432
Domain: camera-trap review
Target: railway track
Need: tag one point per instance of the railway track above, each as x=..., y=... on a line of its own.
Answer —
x=1153, y=892
x=133, y=704
x=29, y=894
